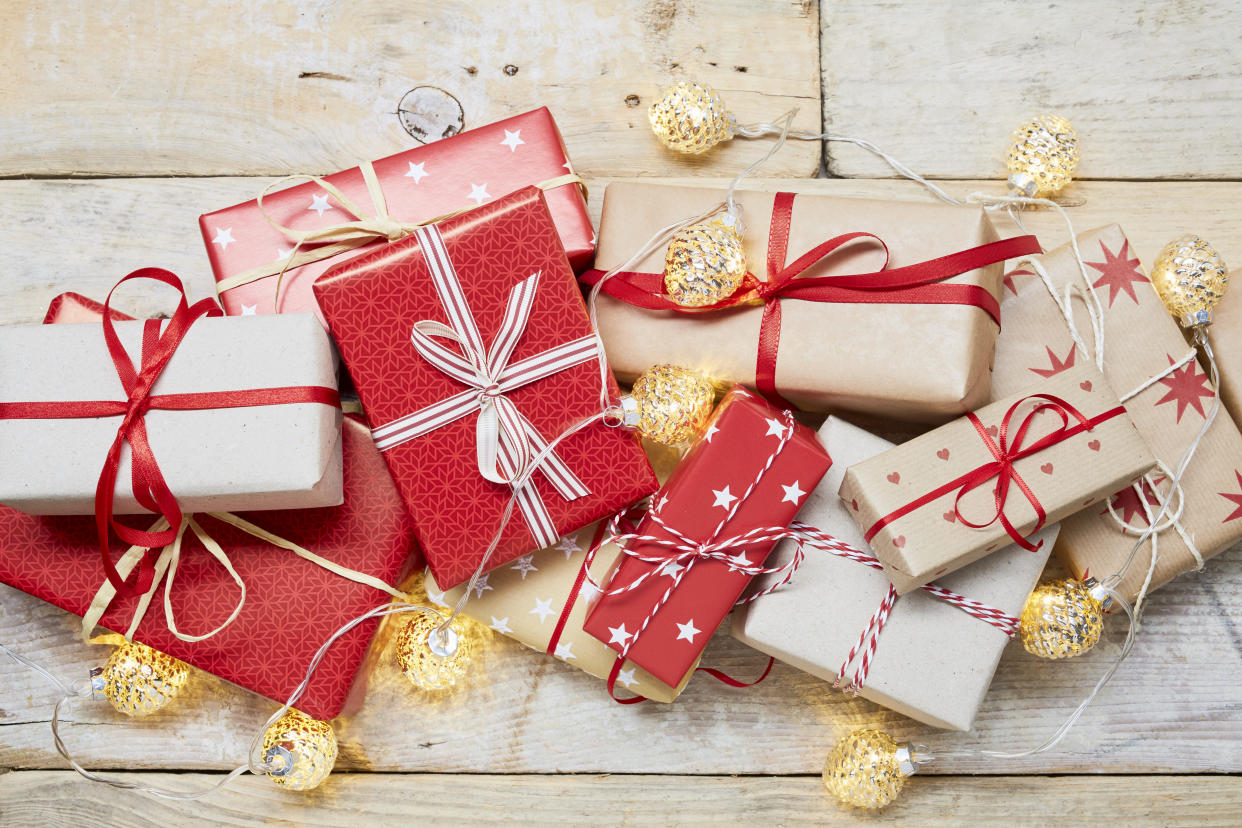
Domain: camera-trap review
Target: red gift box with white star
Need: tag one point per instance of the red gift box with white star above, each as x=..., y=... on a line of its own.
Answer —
x=292, y=605
x=248, y=251
x=751, y=470
x=1165, y=391
x=472, y=351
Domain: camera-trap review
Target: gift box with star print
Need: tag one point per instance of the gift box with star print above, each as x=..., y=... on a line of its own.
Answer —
x=471, y=349
x=1165, y=391
x=248, y=250
x=745, y=477
x=994, y=477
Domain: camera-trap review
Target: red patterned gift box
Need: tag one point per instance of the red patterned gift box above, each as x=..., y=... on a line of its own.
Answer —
x=471, y=349
x=739, y=486
x=248, y=251
x=292, y=605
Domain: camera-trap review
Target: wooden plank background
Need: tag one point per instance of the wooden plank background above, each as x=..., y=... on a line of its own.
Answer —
x=170, y=112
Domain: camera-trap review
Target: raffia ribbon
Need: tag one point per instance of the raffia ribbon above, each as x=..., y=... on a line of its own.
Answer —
x=336, y=239
x=169, y=558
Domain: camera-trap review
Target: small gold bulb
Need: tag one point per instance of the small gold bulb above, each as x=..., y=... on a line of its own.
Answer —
x=867, y=769
x=705, y=262
x=1062, y=619
x=433, y=659
x=1191, y=277
x=690, y=118
x=301, y=750
x=670, y=405
x=138, y=680
x=1043, y=155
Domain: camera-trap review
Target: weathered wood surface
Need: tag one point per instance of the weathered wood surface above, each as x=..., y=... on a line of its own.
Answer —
x=272, y=88
x=1153, y=88
x=61, y=798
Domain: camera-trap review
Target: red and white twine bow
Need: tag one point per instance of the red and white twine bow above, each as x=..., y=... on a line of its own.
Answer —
x=506, y=442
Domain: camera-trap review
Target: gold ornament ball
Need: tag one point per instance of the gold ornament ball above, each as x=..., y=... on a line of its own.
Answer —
x=1190, y=277
x=690, y=118
x=302, y=749
x=705, y=263
x=1043, y=155
x=1061, y=619
x=435, y=662
x=673, y=403
x=863, y=770
x=138, y=680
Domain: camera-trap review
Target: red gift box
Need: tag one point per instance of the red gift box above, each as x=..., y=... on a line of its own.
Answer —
x=247, y=251
x=518, y=352
x=749, y=473
x=292, y=604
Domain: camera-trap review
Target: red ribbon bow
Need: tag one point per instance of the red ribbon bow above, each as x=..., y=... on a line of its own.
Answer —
x=1005, y=454
x=916, y=284
x=148, y=484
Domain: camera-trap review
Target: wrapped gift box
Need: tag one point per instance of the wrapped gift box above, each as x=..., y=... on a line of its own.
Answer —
x=1226, y=336
x=278, y=456
x=1070, y=444
x=1142, y=341
x=864, y=335
x=750, y=448
x=933, y=661
x=542, y=600
x=292, y=604
x=498, y=275
x=247, y=251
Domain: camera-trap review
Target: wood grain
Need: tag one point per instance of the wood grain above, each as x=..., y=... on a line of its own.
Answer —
x=271, y=88
x=57, y=798
x=1153, y=88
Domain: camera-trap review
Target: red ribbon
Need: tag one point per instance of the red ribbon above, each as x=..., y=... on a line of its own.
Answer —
x=916, y=284
x=148, y=484
x=1005, y=454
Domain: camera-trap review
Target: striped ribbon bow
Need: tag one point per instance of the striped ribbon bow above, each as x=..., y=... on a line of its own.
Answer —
x=506, y=442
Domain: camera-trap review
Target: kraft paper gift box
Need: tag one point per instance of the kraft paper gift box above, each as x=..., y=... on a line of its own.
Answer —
x=284, y=455
x=497, y=279
x=885, y=354
x=1067, y=440
x=748, y=472
x=933, y=660
x=1226, y=336
x=1143, y=345
x=248, y=252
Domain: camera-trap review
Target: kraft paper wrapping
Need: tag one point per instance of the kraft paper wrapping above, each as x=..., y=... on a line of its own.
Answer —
x=217, y=460
x=933, y=662
x=1226, y=336
x=1141, y=340
x=923, y=363
x=1070, y=475
x=524, y=600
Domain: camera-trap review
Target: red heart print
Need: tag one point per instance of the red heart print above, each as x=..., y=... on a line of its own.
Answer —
x=993, y=430
x=1046, y=468
x=1085, y=385
x=854, y=503
x=943, y=454
x=950, y=517
x=1094, y=445
x=899, y=541
x=894, y=477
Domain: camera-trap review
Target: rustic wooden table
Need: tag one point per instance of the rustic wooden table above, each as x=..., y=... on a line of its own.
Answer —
x=121, y=122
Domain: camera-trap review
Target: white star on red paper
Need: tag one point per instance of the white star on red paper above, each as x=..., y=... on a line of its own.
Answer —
x=512, y=139
x=723, y=497
x=563, y=651
x=567, y=167
x=687, y=631
x=661, y=503
x=671, y=569
x=739, y=561
x=711, y=432
x=775, y=428
x=481, y=586
x=619, y=635
x=283, y=253
x=793, y=494
x=501, y=625
x=224, y=237
x=568, y=545
x=626, y=677
x=478, y=193
x=417, y=171
x=543, y=608
x=524, y=565
x=319, y=203
x=249, y=310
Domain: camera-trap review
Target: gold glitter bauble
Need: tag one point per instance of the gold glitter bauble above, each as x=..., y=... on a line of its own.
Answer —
x=705, y=263
x=435, y=662
x=864, y=770
x=1190, y=277
x=139, y=680
x=673, y=403
x=302, y=749
x=1061, y=619
x=1043, y=155
x=690, y=118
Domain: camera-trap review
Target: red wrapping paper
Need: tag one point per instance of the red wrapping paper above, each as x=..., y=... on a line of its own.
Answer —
x=418, y=184
x=720, y=467
x=372, y=303
x=292, y=605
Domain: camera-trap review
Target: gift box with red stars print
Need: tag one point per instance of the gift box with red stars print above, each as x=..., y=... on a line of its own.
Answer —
x=1165, y=391
x=748, y=473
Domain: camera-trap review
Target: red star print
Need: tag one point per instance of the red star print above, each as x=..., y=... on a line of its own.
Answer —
x=1118, y=273
x=1186, y=385
x=1058, y=364
x=1127, y=500
x=1235, y=498
x=1009, y=279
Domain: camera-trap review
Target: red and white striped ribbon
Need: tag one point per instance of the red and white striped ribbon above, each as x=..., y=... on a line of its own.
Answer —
x=506, y=442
